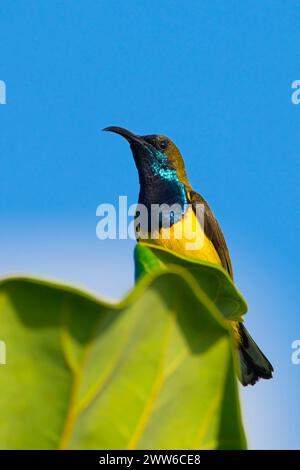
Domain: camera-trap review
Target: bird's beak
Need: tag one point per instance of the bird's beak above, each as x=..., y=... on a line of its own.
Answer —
x=129, y=136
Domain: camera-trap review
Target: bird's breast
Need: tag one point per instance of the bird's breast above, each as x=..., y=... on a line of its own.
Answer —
x=185, y=236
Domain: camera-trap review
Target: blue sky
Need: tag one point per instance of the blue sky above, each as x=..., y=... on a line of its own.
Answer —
x=215, y=77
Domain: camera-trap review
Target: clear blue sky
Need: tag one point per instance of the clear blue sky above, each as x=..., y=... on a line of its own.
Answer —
x=214, y=76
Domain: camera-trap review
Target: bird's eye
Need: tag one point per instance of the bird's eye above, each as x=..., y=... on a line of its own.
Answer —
x=163, y=144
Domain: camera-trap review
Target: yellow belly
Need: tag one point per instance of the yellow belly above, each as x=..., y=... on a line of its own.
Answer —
x=187, y=238
x=193, y=244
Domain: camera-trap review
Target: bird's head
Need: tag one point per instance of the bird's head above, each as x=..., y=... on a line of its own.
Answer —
x=156, y=156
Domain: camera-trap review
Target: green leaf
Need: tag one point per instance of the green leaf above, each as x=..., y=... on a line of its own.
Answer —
x=212, y=279
x=154, y=371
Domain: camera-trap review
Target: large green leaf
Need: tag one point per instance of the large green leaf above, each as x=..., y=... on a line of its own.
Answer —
x=212, y=279
x=154, y=371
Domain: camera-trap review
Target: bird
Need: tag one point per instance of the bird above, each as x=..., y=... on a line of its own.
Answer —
x=163, y=181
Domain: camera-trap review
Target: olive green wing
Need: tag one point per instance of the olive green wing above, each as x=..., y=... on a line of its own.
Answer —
x=213, y=231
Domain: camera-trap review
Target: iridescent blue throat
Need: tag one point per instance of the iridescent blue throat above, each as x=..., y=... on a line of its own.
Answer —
x=165, y=188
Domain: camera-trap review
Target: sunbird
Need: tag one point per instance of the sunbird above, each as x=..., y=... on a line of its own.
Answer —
x=163, y=180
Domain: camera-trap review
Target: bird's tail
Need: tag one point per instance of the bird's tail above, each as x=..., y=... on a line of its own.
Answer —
x=253, y=363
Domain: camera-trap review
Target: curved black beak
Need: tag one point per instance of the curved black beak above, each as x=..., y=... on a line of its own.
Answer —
x=129, y=136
